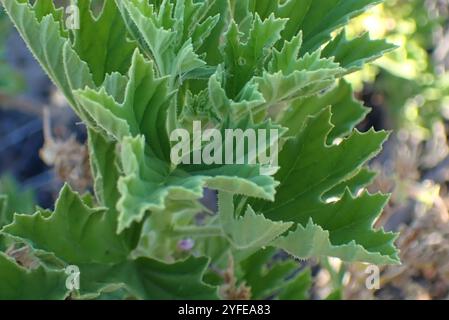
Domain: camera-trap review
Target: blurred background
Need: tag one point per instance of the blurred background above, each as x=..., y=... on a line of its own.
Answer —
x=42, y=144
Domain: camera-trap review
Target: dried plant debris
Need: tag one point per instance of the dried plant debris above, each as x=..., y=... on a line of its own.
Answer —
x=69, y=158
x=23, y=256
x=231, y=290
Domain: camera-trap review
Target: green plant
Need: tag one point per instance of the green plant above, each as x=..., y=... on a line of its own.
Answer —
x=10, y=81
x=13, y=199
x=153, y=66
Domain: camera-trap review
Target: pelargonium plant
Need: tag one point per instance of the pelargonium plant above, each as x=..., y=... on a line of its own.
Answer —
x=140, y=69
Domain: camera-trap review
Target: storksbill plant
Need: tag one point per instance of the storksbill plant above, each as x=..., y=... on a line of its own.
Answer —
x=141, y=69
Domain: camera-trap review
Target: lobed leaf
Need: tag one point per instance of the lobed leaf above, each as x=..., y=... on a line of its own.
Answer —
x=355, y=53
x=148, y=183
x=315, y=242
x=347, y=112
x=107, y=49
x=18, y=283
x=249, y=231
x=87, y=238
x=310, y=168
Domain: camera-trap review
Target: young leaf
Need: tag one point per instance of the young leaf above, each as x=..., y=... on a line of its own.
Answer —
x=107, y=49
x=244, y=60
x=308, y=77
x=143, y=110
x=148, y=182
x=250, y=231
x=162, y=35
x=105, y=171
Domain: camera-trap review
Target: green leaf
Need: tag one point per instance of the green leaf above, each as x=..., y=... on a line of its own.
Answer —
x=250, y=231
x=355, y=53
x=309, y=76
x=294, y=11
x=354, y=184
x=77, y=228
x=250, y=100
x=211, y=45
x=18, y=283
x=11, y=82
x=162, y=33
x=312, y=241
x=310, y=168
x=287, y=59
x=316, y=19
x=298, y=288
x=3, y=207
x=347, y=112
x=313, y=167
x=160, y=231
x=269, y=277
x=335, y=295
x=14, y=199
x=148, y=182
x=244, y=60
x=105, y=168
x=107, y=49
x=325, y=16
x=143, y=110
x=43, y=8
x=86, y=237
x=152, y=280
